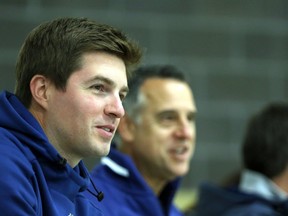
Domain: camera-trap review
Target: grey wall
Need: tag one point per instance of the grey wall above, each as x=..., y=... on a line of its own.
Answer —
x=233, y=52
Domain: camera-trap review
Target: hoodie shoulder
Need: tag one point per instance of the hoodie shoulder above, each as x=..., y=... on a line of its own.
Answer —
x=16, y=182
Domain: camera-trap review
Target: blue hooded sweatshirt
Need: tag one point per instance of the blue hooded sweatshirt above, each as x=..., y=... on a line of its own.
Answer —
x=127, y=193
x=230, y=201
x=35, y=179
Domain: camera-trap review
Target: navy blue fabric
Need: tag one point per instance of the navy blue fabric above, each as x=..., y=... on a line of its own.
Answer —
x=35, y=180
x=219, y=201
x=131, y=196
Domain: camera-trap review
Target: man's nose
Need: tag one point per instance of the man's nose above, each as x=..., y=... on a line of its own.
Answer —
x=115, y=107
x=185, y=129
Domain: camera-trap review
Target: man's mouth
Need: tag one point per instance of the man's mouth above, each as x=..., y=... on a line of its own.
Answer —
x=180, y=150
x=107, y=129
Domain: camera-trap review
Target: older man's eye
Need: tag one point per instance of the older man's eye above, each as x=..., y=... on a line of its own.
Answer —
x=167, y=117
x=122, y=96
x=191, y=117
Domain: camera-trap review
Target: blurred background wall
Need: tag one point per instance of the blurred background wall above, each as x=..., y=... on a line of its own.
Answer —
x=234, y=53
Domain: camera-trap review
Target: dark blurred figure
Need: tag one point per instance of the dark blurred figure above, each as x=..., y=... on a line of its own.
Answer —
x=261, y=188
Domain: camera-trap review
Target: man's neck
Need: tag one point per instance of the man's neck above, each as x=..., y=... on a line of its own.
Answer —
x=282, y=181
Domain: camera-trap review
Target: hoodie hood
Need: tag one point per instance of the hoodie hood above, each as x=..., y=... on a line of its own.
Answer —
x=22, y=124
x=27, y=134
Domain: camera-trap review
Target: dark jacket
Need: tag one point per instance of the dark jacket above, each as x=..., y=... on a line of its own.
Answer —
x=220, y=201
x=126, y=192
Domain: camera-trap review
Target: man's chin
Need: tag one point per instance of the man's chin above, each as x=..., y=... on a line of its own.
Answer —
x=180, y=172
x=105, y=151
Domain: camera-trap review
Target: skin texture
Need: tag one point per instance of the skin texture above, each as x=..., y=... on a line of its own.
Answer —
x=281, y=180
x=81, y=120
x=162, y=142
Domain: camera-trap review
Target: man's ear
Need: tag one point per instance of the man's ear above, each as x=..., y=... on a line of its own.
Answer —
x=126, y=128
x=38, y=87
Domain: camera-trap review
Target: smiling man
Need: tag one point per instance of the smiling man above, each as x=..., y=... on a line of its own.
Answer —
x=91, y=106
x=157, y=139
x=71, y=80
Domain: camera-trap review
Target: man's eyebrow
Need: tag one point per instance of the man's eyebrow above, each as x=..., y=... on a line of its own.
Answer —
x=103, y=79
x=109, y=82
x=161, y=113
x=172, y=111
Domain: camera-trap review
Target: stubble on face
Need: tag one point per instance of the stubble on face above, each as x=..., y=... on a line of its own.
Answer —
x=83, y=118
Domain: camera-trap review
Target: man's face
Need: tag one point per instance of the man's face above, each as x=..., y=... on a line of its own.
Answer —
x=82, y=120
x=164, y=138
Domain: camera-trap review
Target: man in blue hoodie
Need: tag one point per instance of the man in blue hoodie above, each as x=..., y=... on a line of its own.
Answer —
x=261, y=189
x=157, y=138
x=71, y=78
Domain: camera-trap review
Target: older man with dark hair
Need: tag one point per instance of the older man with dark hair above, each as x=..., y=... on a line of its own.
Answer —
x=157, y=139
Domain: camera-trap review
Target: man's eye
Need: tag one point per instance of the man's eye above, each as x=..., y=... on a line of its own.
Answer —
x=167, y=117
x=122, y=96
x=99, y=88
x=191, y=118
